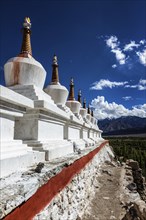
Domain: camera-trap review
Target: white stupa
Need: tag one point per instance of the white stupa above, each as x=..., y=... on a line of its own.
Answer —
x=88, y=116
x=57, y=92
x=24, y=69
x=71, y=102
x=83, y=110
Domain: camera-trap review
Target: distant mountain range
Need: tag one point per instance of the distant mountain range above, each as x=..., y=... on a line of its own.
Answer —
x=123, y=126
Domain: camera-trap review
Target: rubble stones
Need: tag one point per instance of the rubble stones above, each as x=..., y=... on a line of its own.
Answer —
x=136, y=211
x=39, y=167
x=19, y=187
x=132, y=187
x=136, y=208
x=133, y=164
x=71, y=202
x=120, y=202
x=138, y=178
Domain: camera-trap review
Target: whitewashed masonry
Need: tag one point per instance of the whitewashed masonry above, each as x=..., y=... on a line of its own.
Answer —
x=37, y=124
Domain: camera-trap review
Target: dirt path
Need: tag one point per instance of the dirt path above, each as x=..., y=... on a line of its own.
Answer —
x=106, y=204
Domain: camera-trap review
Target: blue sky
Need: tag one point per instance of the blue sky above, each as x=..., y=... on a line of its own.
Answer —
x=100, y=43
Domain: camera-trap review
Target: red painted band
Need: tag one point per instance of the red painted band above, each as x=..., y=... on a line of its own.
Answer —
x=46, y=193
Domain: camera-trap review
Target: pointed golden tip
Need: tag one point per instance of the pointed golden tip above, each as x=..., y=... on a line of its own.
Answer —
x=79, y=92
x=27, y=23
x=27, y=19
x=54, y=57
x=55, y=60
x=71, y=81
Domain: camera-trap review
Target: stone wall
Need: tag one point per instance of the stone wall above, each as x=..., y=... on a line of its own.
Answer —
x=61, y=189
x=71, y=202
x=46, y=141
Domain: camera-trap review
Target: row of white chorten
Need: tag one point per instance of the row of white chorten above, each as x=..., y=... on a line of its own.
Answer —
x=40, y=125
x=25, y=70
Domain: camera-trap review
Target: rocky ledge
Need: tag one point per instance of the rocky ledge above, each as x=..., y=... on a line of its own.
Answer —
x=136, y=204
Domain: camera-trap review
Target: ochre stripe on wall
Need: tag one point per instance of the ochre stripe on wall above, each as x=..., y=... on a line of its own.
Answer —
x=46, y=193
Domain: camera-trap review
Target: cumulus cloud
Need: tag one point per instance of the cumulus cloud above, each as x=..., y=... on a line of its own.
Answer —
x=127, y=98
x=142, y=57
x=113, y=43
x=142, y=42
x=103, y=109
x=140, y=86
x=130, y=46
x=120, y=56
x=105, y=83
x=123, y=53
x=142, y=81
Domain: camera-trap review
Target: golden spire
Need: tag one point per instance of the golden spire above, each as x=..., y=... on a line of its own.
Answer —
x=55, y=76
x=89, y=111
x=71, y=92
x=84, y=103
x=26, y=44
x=79, y=96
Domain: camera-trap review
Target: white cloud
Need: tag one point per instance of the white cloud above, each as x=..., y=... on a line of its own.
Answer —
x=114, y=66
x=103, y=109
x=113, y=43
x=142, y=81
x=120, y=56
x=142, y=42
x=142, y=107
x=105, y=83
x=131, y=86
x=130, y=46
x=140, y=86
x=121, y=52
x=127, y=98
x=142, y=57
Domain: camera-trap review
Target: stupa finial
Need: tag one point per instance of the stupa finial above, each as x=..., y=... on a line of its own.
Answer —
x=84, y=103
x=92, y=113
x=55, y=75
x=79, y=96
x=71, y=92
x=89, y=111
x=27, y=23
x=26, y=43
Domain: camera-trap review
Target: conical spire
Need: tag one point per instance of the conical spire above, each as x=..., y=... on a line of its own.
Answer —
x=71, y=92
x=26, y=44
x=55, y=76
x=92, y=113
x=79, y=96
x=89, y=111
x=84, y=103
